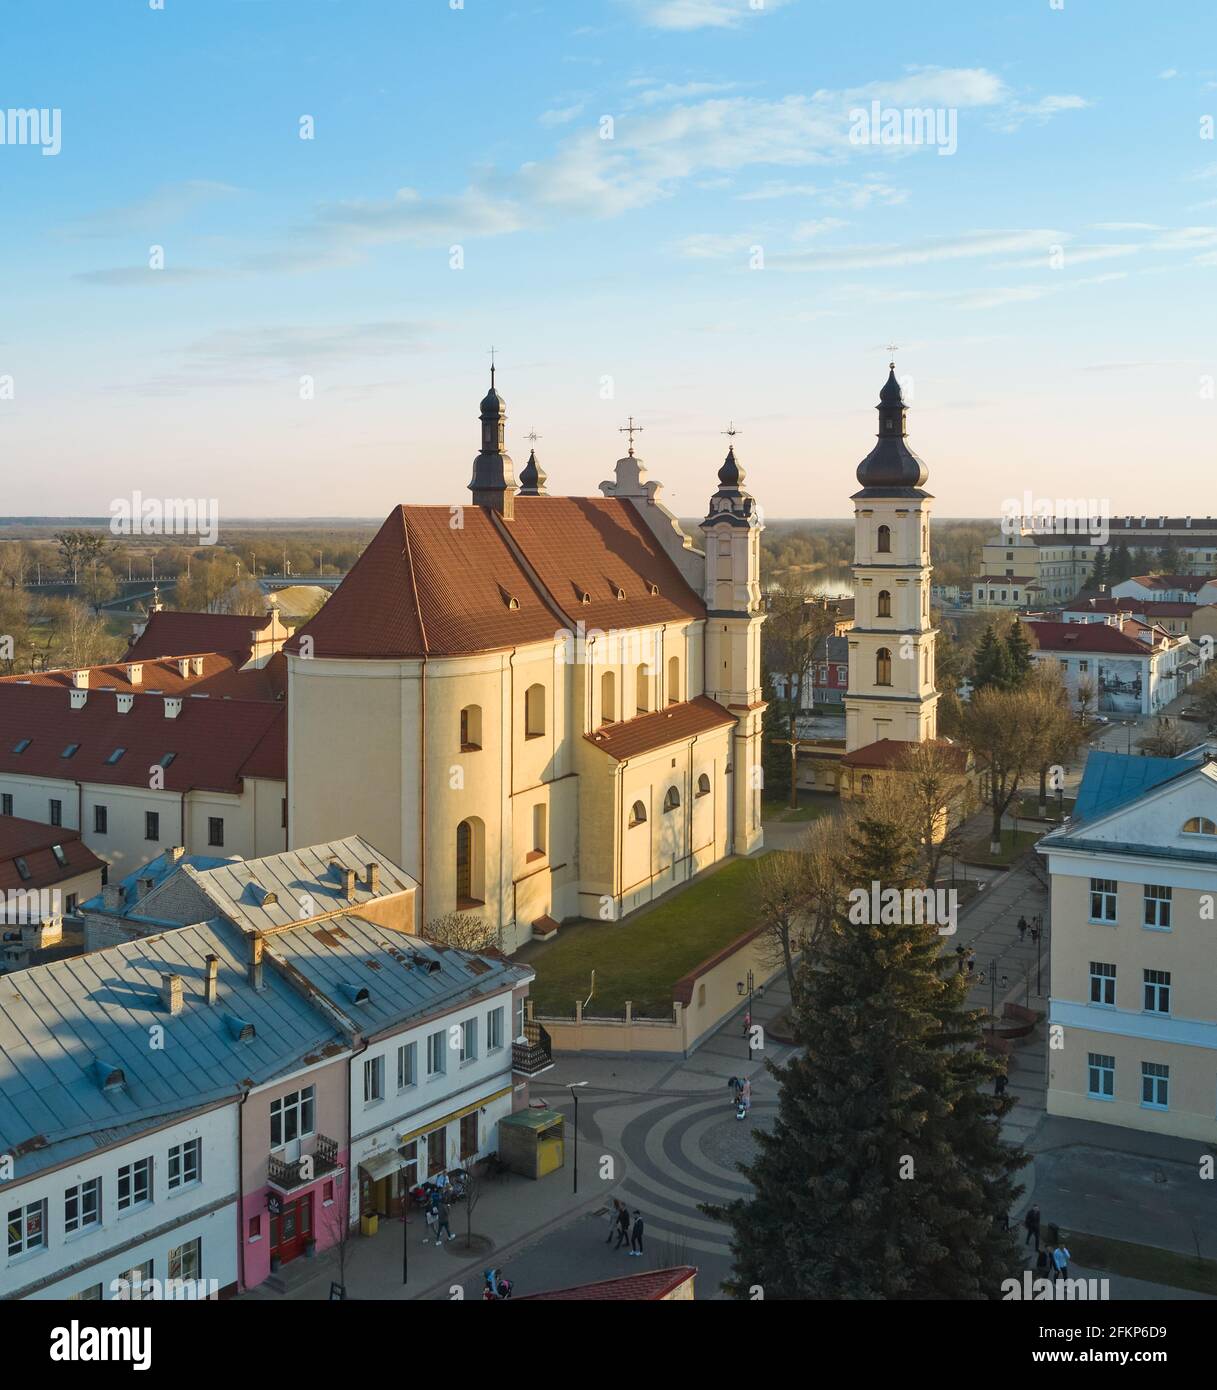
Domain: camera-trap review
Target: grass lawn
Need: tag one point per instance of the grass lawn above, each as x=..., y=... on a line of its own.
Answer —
x=811, y=806
x=1142, y=1262
x=642, y=957
x=1013, y=844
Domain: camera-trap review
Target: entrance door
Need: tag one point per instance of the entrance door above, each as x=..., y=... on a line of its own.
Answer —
x=292, y=1227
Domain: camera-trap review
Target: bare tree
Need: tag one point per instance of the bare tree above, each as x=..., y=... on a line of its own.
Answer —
x=1008, y=731
x=1084, y=695
x=934, y=789
x=798, y=895
x=463, y=930
x=1063, y=734
x=792, y=629
x=1168, y=739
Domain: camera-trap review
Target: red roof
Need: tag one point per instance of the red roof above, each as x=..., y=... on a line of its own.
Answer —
x=171, y=633
x=648, y=1287
x=429, y=586
x=885, y=752
x=221, y=676
x=1086, y=637
x=32, y=841
x=646, y=732
x=1192, y=583
x=211, y=739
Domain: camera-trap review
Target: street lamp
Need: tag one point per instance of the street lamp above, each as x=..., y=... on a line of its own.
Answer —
x=573, y=1087
x=739, y=986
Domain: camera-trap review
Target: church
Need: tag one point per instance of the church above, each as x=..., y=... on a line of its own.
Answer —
x=544, y=707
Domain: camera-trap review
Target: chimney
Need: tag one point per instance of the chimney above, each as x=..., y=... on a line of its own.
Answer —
x=135, y=673
x=171, y=993
x=78, y=697
x=143, y=886
x=255, y=963
x=373, y=878
x=183, y=666
x=80, y=680
x=174, y=853
x=196, y=665
x=173, y=706
x=211, y=983
x=125, y=701
x=112, y=897
x=348, y=882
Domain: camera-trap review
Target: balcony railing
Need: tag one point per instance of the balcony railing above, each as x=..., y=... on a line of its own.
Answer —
x=535, y=1054
x=299, y=1172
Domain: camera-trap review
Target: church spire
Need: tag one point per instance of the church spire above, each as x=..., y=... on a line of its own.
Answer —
x=532, y=475
x=732, y=499
x=891, y=464
x=493, y=483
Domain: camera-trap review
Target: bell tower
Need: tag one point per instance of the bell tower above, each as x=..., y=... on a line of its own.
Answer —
x=732, y=535
x=892, y=693
x=494, y=481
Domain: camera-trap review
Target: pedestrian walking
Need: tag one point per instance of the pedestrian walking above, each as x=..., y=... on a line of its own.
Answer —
x=636, y=1234
x=1032, y=1222
x=1060, y=1261
x=736, y=1086
x=1000, y=1082
x=971, y=961
x=745, y=1095
x=1035, y=930
x=441, y=1222
x=613, y=1212
x=960, y=958
x=623, y=1226
x=1022, y=928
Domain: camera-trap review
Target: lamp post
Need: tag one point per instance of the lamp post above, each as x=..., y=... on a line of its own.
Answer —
x=573, y=1087
x=405, y=1230
x=740, y=987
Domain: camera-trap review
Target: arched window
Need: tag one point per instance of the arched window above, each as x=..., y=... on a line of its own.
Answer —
x=534, y=711
x=638, y=814
x=470, y=848
x=885, y=540
x=703, y=785
x=885, y=604
x=671, y=799
x=608, y=697
x=883, y=667
x=1199, y=825
x=673, y=680
x=471, y=728
x=641, y=703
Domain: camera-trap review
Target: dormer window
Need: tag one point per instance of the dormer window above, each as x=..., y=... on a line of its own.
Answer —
x=1199, y=825
x=70, y=750
x=115, y=756
x=22, y=744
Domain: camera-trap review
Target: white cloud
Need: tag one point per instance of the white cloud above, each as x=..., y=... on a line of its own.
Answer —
x=165, y=206
x=1019, y=112
x=702, y=14
x=1167, y=73
x=561, y=115
x=970, y=245
x=805, y=231
x=655, y=93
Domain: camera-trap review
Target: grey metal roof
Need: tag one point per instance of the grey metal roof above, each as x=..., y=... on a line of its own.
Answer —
x=405, y=976
x=62, y=1023
x=157, y=870
x=302, y=881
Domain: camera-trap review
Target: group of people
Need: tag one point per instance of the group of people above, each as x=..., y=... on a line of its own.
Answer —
x=741, y=1090
x=1034, y=926
x=437, y=1218
x=1053, y=1257
x=627, y=1232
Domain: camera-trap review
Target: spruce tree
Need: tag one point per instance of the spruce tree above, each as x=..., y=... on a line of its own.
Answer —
x=1099, y=574
x=1121, y=563
x=1019, y=650
x=884, y=1176
x=991, y=663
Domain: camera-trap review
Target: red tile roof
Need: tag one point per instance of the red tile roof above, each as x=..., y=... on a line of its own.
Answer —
x=170, y=633
x=426, y=586
x=646, y=732
x=650, y=1286
x=885, y=752
x=211, y=738
x=221, y=677
x=1086, y=637
x=31, y=840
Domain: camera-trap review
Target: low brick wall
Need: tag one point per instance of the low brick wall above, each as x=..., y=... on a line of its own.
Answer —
x=701, y=1000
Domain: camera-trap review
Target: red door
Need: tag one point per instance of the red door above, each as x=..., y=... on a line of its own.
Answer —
x=291, y=1228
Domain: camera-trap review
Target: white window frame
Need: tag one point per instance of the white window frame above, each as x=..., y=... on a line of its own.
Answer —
x=407, y=1066
x=189, y=1260
x=27, y=1240
x=494, y=1029
x=469, y=1040
x=437, y=1054
x=185, y=1165
x=373, y=1080
x=1156, y=992
x=1158, y=1077
x=1102, y=985
x=130, y=1175
x=1106, y=892
x=1102, y=1067
x=1158, y=897
x=82, y=1206
x=297, y=1104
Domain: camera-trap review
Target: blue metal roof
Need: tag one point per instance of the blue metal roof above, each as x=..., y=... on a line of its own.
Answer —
x=1111, y=779
x=158, y=870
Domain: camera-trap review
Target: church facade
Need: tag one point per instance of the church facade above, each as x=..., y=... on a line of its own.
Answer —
x=543, y=707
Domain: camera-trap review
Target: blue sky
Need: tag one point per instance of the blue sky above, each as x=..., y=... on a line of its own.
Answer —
x=1050, y=282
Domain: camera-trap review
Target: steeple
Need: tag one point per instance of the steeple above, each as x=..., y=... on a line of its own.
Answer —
x=532, y=478
x=891, y=464
x=732, y=502
x=493, y=483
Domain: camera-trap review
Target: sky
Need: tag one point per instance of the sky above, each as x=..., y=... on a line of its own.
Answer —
x=669, y=209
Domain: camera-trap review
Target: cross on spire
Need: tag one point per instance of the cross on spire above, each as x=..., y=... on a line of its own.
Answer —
x=492, y=352
x=731, y=431
x=892, y=350
x=631, y=429
x=532, y=436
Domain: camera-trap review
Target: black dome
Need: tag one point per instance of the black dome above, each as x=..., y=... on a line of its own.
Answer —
x=891, y=463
